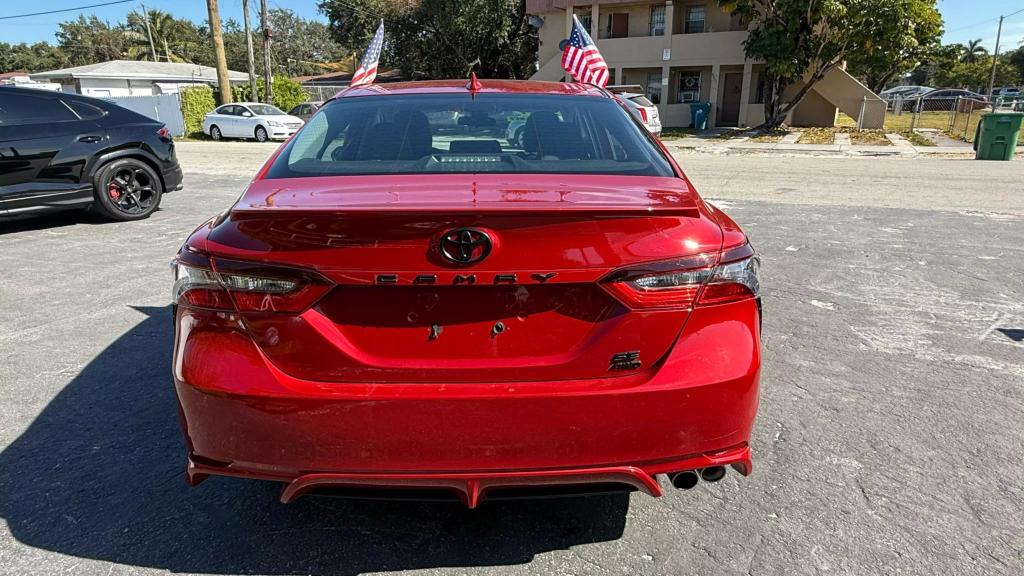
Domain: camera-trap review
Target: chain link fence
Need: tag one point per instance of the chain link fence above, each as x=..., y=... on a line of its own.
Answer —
x=319, y=93
x=956, y=116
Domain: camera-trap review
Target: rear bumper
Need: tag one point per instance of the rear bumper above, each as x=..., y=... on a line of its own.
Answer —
x=244, y=417
x=172, y=178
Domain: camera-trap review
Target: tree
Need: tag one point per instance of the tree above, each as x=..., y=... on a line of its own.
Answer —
x=169, y=34
x=441, y=38
x=1016, y=59
x=800, y=41
x=901, y=35
x=973, y=51
x=935, y=63
x=89, y=40
x=38, y=57
x=301, y=47
x=974, y=75
x=285, y=93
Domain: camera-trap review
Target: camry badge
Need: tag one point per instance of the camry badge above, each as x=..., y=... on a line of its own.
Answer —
x=465, y=245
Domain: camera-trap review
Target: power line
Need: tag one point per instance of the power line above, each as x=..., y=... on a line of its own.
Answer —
x=985, y=21
x=65, y=9
x=975, y=25
x=1014, y=13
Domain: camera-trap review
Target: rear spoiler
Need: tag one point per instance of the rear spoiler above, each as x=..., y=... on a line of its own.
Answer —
x=540, y=209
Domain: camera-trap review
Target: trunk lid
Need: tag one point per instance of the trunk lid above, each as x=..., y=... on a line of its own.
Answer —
x=532, y=308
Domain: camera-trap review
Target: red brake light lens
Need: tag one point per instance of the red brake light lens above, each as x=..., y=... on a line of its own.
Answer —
x=244, y=286
x=163, y=132
x=643, y=114
x=704, y=279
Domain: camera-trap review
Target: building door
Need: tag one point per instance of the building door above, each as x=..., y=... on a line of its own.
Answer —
x=618, y=25
x=732, y=93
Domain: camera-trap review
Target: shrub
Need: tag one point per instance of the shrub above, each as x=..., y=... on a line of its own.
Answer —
x=196, y=102
x=287, y=93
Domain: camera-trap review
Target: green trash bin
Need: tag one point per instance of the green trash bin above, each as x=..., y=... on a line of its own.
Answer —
x=699, y=115
x=996, y=135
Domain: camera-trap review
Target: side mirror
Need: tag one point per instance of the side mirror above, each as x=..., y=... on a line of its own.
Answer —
x=247, y=114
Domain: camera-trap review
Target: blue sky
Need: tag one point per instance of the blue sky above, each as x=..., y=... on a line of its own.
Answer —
x=965, y=19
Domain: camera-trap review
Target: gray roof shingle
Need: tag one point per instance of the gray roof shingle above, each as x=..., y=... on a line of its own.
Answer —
x=143, y=70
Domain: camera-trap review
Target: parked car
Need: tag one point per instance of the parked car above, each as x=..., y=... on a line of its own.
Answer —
x=305, y=110
x=904, y=92
x=643, y=109
x=261, y=122
x=387, y=307
x=60, y=151
x=1006, y=91
x=946, y=99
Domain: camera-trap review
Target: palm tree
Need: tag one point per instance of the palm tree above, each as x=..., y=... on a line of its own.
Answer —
x=973, y=51
x=166, y=30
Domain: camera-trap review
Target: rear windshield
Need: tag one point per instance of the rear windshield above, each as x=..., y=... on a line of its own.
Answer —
x=454, y=133
x=265, y=110
x=642, y=101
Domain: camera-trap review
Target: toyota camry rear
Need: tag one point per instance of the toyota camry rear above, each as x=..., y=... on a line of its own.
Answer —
x=405, y=307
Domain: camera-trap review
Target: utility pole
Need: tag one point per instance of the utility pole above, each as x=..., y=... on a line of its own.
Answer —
x=250, y=59
x=995, y=56
x=223, y=84
x=268, y=76
x=149, y=33
x=995, y=60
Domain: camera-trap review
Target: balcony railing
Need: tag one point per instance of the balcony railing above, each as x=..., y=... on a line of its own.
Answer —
x=696, y=49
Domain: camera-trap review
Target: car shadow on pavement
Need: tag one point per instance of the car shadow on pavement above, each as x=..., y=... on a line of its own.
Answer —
x=54, y=221
x=99, y=474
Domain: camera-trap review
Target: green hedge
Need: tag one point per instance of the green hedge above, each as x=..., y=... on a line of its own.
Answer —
x=287, y=93
x=196, y=102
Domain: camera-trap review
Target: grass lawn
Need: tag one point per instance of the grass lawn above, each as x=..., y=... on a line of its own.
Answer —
x=901, y=123
x=677, y=133
x=817, y=136
x=963, y=129
x=916, y=139
x=866, y=137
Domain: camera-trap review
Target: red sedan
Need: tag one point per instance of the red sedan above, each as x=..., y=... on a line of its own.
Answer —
x=395, y=308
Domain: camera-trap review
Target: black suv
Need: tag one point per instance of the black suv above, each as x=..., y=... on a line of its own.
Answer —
x=61, y=151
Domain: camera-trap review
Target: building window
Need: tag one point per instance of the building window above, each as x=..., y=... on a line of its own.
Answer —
x=762, y=87
x=585, y=19
x=658, y=20
x=694, y=20
x=689, y=87
x=654, y=87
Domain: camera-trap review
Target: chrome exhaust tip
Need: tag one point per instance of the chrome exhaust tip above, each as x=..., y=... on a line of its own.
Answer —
x=712, y=474
x=684, y=480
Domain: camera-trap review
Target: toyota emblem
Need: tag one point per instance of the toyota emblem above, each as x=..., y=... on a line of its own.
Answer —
x=465, y=245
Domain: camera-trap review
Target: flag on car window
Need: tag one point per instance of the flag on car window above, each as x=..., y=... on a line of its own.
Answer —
x=581, y=58
x=367, y=70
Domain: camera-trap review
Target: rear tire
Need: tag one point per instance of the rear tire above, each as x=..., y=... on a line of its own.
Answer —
x=127, y=189
x=215, y=132
x=261, y=134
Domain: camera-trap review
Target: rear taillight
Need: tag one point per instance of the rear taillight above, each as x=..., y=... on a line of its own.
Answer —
x=701, y=280
x=643, y=114
x=222, y=284
x=164, y=133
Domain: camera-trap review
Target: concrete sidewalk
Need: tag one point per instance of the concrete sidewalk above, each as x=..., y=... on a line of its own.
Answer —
x=743, y=145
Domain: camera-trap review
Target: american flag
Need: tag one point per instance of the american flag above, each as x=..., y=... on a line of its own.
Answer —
x=581, y=57
x=367, y=71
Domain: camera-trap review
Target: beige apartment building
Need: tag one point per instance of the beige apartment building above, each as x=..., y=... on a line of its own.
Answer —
x=687, y=51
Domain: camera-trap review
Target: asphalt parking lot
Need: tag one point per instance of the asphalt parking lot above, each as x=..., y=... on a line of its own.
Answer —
x=890, y=437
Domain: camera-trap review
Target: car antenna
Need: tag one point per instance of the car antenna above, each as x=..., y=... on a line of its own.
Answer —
x=474, y=85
